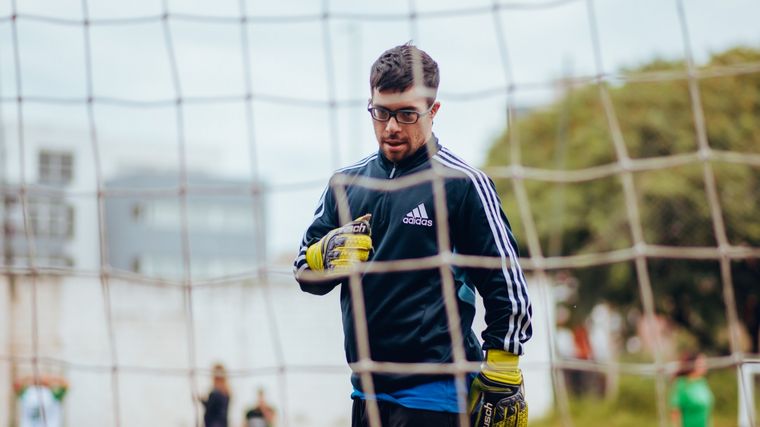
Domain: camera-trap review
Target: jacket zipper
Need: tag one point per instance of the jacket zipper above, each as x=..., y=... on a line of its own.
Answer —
x=384, y=202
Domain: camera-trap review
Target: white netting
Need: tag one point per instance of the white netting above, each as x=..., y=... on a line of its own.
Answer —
x=249, y=107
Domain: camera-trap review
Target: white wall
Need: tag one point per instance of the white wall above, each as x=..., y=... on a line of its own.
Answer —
x=150, y=332
x=5, y=368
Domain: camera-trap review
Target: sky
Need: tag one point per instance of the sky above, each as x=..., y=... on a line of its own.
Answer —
x=297, y=63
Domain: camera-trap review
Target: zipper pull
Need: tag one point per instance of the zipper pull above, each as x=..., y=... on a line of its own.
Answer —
x=393, y=171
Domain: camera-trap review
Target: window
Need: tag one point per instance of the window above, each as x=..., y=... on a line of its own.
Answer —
x=202, y=216
x=51, y=219
x=56, y=167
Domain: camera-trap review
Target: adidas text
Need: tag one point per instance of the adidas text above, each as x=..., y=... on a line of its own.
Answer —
x=418, y=221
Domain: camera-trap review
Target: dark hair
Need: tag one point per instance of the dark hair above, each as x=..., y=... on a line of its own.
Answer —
x=395, y=70
x=687, y=363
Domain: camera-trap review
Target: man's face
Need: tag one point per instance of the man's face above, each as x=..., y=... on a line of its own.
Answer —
x=399, y=140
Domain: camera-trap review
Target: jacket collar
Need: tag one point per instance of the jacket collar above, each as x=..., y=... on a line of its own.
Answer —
x=417, y=158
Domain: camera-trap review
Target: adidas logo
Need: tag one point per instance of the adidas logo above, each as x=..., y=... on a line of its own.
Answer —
x=418, y=216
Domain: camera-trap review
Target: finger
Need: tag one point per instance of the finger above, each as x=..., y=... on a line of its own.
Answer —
x=357, y=242
x=366, y=217
x=344, y=264
x=339, y=241
x=360, y=254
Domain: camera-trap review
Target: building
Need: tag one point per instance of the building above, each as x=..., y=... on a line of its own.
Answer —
x=49, y=200
x=152, y=232
x=57, y=184
x=61, y=320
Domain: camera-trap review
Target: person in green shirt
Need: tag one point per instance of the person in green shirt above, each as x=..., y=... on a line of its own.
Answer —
x=691, y=399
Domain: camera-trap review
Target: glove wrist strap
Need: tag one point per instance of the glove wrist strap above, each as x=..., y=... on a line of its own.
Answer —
x=502, y=366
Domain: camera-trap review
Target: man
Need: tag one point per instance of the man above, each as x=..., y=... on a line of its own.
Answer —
x=405, y=311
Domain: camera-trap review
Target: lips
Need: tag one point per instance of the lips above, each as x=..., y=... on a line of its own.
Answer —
x=394, y=147
x=394, y=143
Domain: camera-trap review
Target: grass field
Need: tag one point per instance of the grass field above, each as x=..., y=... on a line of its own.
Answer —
x=635, y=404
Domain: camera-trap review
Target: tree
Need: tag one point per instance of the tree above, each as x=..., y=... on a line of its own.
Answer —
x=656, y=119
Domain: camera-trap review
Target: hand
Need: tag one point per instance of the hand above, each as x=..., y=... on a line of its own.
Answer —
x=343, y=247
x=497, y=397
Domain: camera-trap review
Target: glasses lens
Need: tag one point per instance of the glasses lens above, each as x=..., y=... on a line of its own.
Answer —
x=380, y=114
x=404, y=116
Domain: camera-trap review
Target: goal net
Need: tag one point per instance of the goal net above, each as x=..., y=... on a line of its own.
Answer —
x=159, y=162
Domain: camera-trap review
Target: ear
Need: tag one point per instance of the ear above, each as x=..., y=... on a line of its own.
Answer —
x=434, y=110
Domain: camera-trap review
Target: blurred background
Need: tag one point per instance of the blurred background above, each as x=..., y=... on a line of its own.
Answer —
x=159, y=161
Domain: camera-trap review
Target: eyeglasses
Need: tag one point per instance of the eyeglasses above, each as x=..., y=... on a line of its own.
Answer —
x=406, y=117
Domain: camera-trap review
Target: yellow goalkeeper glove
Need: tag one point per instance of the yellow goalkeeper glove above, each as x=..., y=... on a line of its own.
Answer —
x=342, y=248
x=497, y=397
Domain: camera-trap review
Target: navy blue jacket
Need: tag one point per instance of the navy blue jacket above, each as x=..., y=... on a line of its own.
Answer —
x=406, y=317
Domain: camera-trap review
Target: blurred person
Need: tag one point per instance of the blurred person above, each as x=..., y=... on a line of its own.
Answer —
x=262, y=414
x=218, y=400
x=564, y=339
x=405, y=312
x=589, y=382
x=691, y=399
x=40, y=400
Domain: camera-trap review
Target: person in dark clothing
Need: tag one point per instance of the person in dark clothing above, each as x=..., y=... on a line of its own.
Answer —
x=262, y=414
x=218, y=400
x=406, y=318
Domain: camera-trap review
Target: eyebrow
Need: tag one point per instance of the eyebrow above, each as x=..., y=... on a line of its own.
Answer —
x=409, y=107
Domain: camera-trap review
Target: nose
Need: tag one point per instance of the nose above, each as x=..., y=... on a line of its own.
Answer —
x=392, y=125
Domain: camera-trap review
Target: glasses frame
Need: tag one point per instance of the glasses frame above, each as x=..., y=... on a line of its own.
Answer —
x=393, y=113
